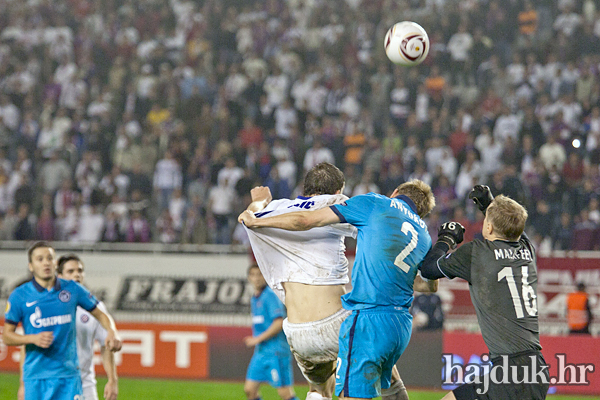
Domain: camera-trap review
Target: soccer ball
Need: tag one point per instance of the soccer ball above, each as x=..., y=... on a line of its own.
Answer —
x=406, y=43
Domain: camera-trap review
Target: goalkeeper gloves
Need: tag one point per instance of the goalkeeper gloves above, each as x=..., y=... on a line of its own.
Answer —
x=451, y=233
x=482, y=196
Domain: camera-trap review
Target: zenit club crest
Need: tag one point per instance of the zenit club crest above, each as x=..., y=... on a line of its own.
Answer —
x=64, y=296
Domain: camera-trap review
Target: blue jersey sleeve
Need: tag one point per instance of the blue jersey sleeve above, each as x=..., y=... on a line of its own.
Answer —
x=355, y=211
x=85, y=299
x=14, y=311
x=275, y=307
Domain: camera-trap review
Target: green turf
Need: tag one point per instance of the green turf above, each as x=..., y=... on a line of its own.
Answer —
x=153, y=389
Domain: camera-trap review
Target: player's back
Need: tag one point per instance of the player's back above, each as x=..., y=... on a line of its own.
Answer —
x=313, y=257
x=504, y=293
x=392, y=242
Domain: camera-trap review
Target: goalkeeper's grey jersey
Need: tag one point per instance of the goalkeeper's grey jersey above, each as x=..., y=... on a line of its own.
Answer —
x=502, y=280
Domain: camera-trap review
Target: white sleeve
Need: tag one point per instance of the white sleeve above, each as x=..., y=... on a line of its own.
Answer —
x=100, y=333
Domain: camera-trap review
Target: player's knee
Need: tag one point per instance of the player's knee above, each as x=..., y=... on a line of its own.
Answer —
x=286, y=393
x=251, y=390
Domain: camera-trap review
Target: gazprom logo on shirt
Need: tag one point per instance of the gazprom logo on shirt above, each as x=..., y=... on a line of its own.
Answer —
x=38, y=322
x=258, y=319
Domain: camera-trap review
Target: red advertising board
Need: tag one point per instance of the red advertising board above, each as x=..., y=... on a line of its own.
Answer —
x=149, y=350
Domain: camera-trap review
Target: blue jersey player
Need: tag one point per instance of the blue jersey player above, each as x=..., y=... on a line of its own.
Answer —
x=392, y=243
x=272, y=359
x=46, y=308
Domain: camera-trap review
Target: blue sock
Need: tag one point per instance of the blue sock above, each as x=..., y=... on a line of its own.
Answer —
x=294, y=398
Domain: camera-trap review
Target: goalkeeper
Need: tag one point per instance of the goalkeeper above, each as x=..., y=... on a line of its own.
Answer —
x=502, y=275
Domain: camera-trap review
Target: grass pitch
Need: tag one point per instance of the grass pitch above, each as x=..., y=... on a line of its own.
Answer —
x=153, y=389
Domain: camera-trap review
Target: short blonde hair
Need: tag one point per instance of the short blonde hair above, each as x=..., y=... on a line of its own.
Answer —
x=507, y=217
x=420, y=193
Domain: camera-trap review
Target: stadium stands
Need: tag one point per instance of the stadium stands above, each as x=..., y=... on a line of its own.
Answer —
x=144, y=121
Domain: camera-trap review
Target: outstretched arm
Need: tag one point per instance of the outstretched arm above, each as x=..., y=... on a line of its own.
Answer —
x=294, y=221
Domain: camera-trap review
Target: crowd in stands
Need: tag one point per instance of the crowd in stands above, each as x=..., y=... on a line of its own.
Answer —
x=151, y=120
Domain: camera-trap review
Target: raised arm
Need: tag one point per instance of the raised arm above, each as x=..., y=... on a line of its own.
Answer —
x=482, y=197
x=261, y=197
x=450, y=235
x=294, y=221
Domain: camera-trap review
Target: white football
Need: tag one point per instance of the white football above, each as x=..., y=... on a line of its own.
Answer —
x=406, y=43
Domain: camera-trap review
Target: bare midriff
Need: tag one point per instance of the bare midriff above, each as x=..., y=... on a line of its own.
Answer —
x=308, y=303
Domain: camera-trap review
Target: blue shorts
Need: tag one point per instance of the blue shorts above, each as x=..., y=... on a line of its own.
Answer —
x=277, y=370
x=54, y=389
x=371, y=342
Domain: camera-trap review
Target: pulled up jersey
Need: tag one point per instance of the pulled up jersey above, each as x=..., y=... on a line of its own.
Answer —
x=41, y=310
x=88, y=331
x=313, y=257
x=392, y=242
x=502, y=280
x=266, y=308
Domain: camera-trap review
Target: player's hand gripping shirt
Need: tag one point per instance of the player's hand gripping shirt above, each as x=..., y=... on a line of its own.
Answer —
x=392, y=242
x=266, y=308
x=313, y=257
x=88, y=331
x=41, y=310
x=502, y=280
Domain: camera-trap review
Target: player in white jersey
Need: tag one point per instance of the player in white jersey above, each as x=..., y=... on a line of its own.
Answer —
x=88, y=329
x=308, y=271
x=70, y=267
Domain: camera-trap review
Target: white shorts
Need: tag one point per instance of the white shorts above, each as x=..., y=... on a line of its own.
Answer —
x=315, y=345
x=90, y=393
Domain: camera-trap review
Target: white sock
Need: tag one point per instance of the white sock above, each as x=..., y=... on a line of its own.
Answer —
x=316, y=396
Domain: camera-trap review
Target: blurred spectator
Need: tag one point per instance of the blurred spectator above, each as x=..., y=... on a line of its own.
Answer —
x=317, y=154
x=54, y=172
x=196, y=85
x=427, y=312
x=220, y=210
x=562, y=233
x=138, y=230
x=585, y=235
x=167, y=178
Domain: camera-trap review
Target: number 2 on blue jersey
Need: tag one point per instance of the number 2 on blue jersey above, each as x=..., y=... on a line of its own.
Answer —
x=399, y=262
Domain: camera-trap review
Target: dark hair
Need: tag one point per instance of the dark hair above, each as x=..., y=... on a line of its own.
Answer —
x=65, y=259
x=323, y=178
x=35, y=246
